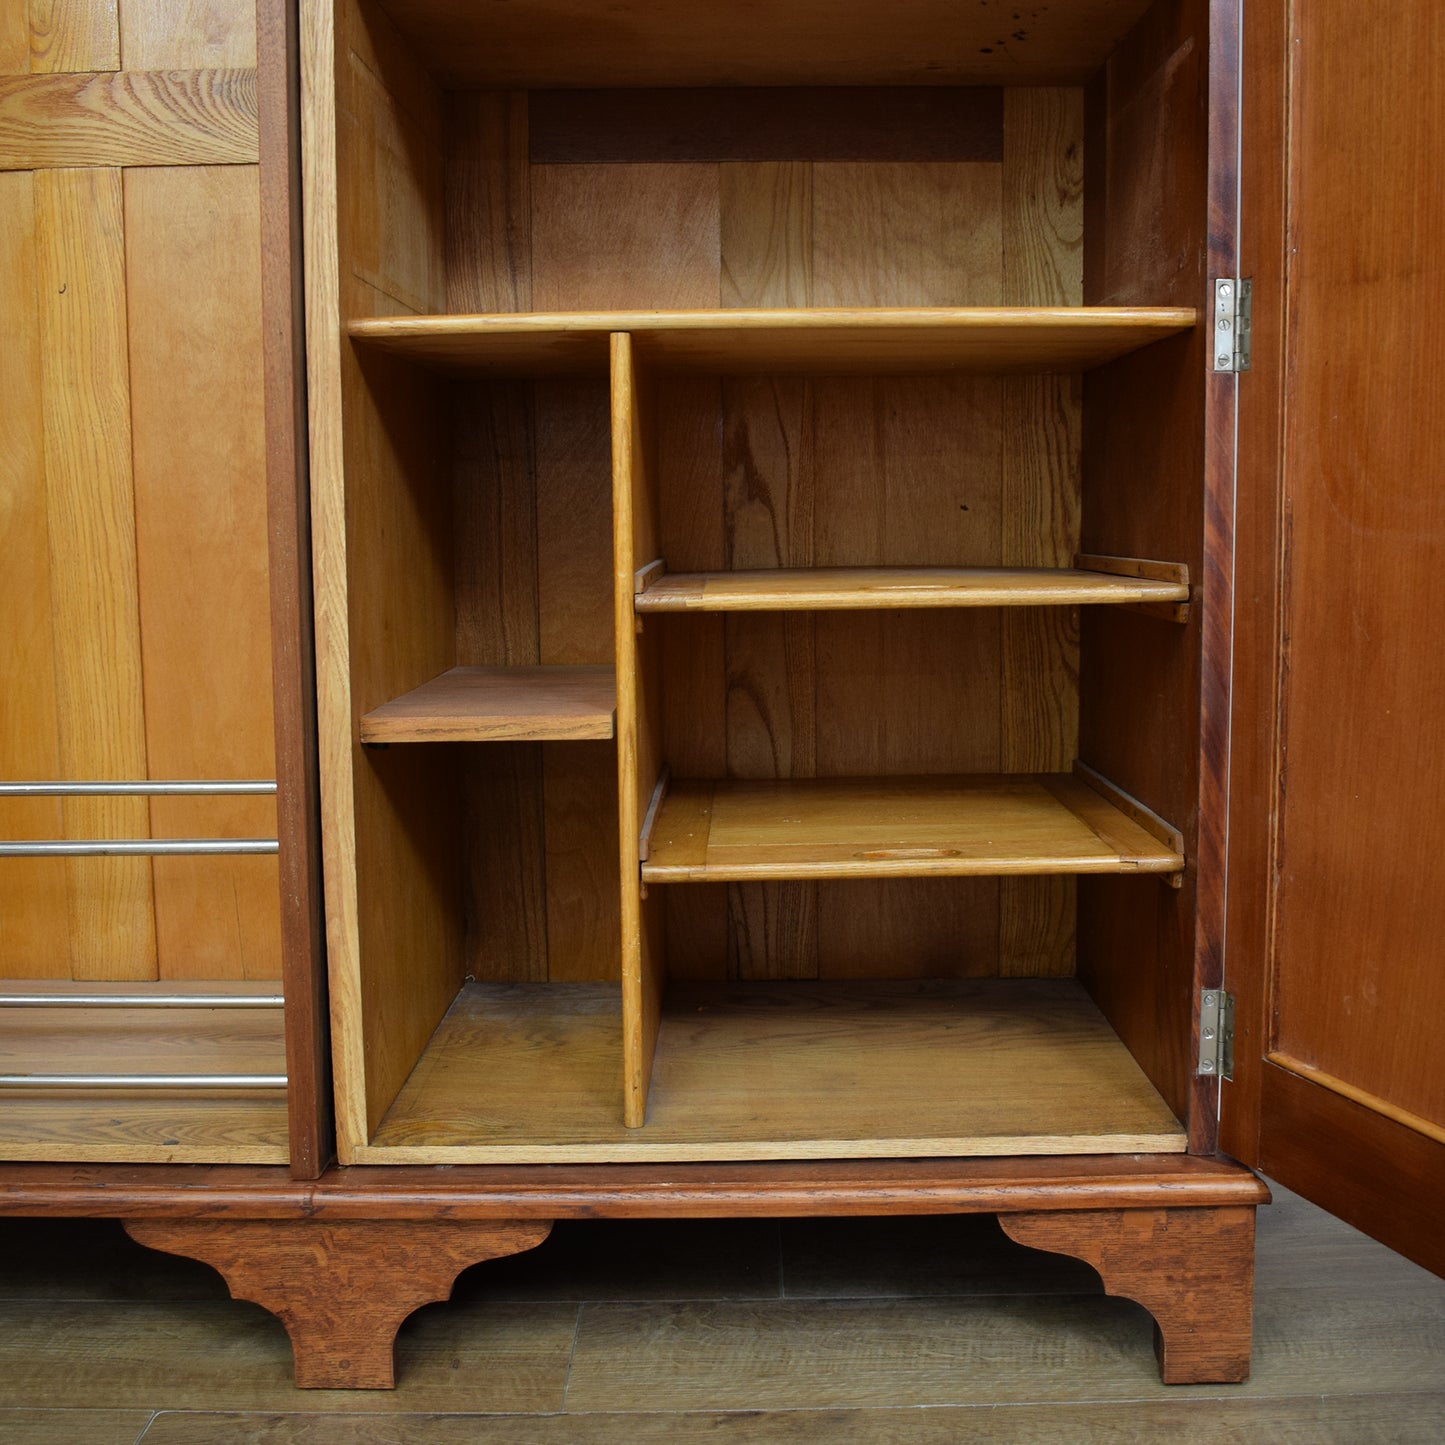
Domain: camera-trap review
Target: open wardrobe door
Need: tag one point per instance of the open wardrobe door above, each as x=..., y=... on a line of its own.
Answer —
x=1336, y=945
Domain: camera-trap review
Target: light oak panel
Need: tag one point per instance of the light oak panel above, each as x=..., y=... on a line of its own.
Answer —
x=129, y=118
x=95, y=611
x=67, y=35
x=34, y=939
x=14, y=36
x=194, y=350
x=907, y=234
x=766, y=245
x=758, y=1071
x=186, y=34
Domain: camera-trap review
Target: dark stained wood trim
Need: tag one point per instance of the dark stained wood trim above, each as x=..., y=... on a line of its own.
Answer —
x=765, y=123
x=341, y=1290
x=1255, y=734
x=685, y=1191
x=1216, y=652
x=1192, y=1269
x=298, y=811
x=1380, y=1176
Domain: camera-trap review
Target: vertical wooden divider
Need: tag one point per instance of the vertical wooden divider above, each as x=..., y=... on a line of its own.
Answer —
x=635, y=533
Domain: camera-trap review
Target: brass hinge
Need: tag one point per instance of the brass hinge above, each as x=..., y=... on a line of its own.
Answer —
x=1216, y=1034
x=1233, y=317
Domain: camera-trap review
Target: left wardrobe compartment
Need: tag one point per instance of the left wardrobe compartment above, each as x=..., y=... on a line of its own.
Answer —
x=157, y=960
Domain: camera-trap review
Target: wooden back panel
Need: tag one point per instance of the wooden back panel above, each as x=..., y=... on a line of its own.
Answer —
x=762, y=472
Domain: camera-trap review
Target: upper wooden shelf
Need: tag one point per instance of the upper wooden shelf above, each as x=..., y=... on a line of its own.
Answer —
x=820, y=589
x=570, y=43
x=500, y=704
x=898, y=827
x=985, y=339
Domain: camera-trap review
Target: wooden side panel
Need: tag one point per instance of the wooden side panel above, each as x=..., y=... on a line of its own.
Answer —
x=201, y=554
x=91, y=503
x=14, y=36
x=1147, y=230
x=34, y=939
x=384, y=575
x=1043, y=266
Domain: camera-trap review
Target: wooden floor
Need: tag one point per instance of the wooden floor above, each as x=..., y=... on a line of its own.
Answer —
x=864, y=1332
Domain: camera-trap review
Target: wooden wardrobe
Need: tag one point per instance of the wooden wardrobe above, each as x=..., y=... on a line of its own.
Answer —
x=864, y=566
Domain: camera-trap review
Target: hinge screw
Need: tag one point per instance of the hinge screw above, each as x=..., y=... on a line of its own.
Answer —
x=1207, y=1067
x=1226, y=289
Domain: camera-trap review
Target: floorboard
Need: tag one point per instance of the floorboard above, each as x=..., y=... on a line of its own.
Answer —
x=884, y=1331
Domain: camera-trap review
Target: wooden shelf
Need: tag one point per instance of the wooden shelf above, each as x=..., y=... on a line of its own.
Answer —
x=821, y=589
x=985, y=339
x=500, y=704
x=562, y=43
x=112, y=1125
x=531, y=1073
x=896, y=827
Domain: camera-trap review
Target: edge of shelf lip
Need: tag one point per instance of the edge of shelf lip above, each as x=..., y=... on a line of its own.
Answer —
x=600, y=323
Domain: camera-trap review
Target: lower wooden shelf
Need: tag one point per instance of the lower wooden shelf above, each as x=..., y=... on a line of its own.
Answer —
x=150, y=1126
x=531, y=1073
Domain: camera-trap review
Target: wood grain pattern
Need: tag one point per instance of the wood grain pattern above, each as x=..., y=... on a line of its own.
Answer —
x=896, y=827
x=14, y=36
x=489, y=203
x=186, y=34
x=91, y=505
x=639, y=727
x=69, y=35
x=1144, y=237
x=678, y=1191
x=575, y=627
x=766, y=243
x=1353, y=992
x=1043, y=186
x=393, y=874
x=824, y=589
x=1193, y=1270
x=501, y=704
x=907, y=234
x=627, y=236
x=875, y=341
x=34, y=935
x=128, y=118
x=341, y=1290
x=201, y=554
x=680, y=43
x=826, y=1070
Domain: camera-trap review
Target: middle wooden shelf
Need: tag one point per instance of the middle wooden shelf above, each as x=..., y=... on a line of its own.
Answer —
x=842, y=589
x=958, y=826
